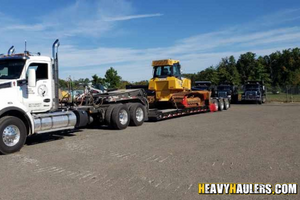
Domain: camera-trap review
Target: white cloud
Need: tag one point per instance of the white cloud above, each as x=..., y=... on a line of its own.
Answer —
x=129, y=17
x=281, y=17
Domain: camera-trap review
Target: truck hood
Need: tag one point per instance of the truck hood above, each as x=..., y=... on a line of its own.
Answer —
x=5, y=80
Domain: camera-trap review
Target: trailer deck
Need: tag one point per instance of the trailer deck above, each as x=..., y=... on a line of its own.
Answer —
x=160, y=114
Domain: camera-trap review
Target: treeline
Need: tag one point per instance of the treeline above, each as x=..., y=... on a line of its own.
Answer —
x=281, y=68
x=276, y=69
x=110, y=80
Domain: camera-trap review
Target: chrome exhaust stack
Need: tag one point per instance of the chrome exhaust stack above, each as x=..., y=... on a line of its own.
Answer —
x=55, y=70
x=11, y=51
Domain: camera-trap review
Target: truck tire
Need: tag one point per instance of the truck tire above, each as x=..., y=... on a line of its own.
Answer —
x=120, y=117
x=137, y=114
x=13, y=134
x=214, y=101
x=221, y=105
x=109, y=112
x=226, y=104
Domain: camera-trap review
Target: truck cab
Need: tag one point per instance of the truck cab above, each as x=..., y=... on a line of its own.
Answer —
x=26, y=82
x=227, y=91
x=254, y=91
x=202, y=86
x=29, y=98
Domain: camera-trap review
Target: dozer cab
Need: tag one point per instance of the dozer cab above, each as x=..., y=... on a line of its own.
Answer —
x=171, y=89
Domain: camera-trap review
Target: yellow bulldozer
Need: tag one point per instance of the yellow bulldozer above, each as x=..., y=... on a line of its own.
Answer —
x=171, y=88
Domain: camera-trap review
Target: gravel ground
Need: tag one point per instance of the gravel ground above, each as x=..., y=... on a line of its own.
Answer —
x=161, y=160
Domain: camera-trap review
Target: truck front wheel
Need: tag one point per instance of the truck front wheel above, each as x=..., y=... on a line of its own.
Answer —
x=120, y=117
x=13, y=134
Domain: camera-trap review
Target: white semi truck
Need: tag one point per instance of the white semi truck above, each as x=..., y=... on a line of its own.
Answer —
x=29, y=101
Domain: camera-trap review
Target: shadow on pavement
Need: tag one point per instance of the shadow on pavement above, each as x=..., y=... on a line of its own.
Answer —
x=48, y=137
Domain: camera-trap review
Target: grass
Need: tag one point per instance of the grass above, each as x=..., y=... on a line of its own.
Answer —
x=283, y=97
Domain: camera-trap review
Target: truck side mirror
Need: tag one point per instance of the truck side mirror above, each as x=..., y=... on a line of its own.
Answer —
x=31, y=78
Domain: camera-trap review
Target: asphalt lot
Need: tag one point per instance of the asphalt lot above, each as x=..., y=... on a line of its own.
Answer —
x=161, y=160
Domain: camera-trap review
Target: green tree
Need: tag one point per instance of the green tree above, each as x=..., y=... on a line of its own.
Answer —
x=261, y=71
x=246, y=66
x=112, y=78
x=209, y=74
x=96, y=80
x=273, y=63
x=143, y=82
x=228, y=72
x=123, y=84
x=63, y=84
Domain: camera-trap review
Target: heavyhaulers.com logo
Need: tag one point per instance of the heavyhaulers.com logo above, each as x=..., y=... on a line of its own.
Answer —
x=248, y=188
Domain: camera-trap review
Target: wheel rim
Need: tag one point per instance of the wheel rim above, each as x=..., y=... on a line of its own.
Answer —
x=123, y=117
x=139, y=114
x=217, y=106
x=11, y=135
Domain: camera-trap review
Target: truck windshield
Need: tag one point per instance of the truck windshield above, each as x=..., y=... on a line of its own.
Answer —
x=224, y=88
x=11, y=69
x=252, y=87
x=199, y=87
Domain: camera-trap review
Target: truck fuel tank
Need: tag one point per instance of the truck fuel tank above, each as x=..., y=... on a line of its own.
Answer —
x=56, y=121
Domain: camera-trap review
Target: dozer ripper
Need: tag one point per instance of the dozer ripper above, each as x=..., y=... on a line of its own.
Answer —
x=171, y=89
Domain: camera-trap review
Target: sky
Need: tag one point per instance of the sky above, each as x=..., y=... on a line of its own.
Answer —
x=128, y=34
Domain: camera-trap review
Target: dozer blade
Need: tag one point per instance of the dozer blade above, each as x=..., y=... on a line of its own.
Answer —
x=187, y=99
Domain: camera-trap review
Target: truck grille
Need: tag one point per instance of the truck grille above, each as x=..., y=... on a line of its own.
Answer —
x=222, y=94
x=251, y=95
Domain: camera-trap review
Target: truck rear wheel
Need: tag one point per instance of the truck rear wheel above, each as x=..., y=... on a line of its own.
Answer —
x=108, y=113
x=120, y=117
x=137, y=114
x=221, y=105
x=13, y=134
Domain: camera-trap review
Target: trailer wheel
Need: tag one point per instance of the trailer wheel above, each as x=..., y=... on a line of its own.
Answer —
x=120, y=117
x=216, y=105
x=226, y=104
x=13, y=134
x=264, y=100
x=137, y=114
x=221, y=105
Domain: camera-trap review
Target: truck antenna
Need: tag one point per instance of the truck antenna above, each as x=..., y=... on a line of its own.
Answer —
x=25, y=47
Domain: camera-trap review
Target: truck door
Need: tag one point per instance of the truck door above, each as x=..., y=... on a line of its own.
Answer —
x=40, y=97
